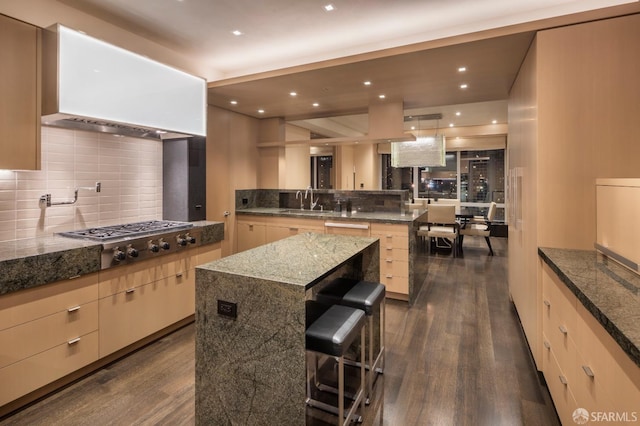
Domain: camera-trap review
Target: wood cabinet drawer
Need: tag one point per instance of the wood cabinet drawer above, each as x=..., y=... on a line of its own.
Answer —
x=394, y=268
x=129, y=316
x=30, y=338
x=560, y=389
x=588, y=389
x=391, y=241
x=386, y=229
x=27, y=305
x=120, y=278
x=394, y=254
x=613, y=369
x=395, y=284
x=31, y=373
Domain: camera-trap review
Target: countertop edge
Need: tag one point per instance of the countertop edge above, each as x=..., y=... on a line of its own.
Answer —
x=611, y=328
x=360, y=216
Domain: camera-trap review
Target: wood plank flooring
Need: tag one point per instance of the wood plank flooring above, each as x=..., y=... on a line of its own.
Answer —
x=457, y=357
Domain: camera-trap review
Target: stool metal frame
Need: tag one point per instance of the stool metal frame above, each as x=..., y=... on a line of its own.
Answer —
x=358, y=398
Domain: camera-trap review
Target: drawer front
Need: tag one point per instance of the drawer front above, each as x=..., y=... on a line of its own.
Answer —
x=395, y=284
x=394, y=268
x=394, y=254
x=385, y=229
x=36, y=336
x=560, y=389
x=393, y=241
x=120, y=278
x=27, y=305
x=612, y=368
x=588, y=390
x=130, y=316
x=27, y=375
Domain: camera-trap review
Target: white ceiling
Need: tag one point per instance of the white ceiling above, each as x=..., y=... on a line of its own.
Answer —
x=278, y=34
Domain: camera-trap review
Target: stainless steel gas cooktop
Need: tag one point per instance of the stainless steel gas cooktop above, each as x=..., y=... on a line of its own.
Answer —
x=130, y=242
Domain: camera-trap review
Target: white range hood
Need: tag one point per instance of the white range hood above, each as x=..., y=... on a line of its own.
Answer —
x=92, y=85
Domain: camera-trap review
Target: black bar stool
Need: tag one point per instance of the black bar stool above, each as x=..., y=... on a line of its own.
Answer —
x=331, y=333
x=368, y=296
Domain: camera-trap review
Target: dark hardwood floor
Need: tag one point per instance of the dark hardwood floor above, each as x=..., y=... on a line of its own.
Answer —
x=457, y=357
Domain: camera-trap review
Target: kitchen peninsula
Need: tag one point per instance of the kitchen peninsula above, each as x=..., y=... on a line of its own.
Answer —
x=264, y=216
x=250, y=324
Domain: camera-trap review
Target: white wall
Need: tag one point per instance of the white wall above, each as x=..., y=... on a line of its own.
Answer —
x=130, y=170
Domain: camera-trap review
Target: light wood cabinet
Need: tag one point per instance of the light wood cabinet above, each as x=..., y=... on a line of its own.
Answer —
x=279, y=228
x=582, y=364
x=394, y=257
x=46, y=333
x=20, y=100
x=251, y=232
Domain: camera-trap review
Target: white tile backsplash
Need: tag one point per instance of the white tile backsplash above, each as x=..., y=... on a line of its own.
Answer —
x=130, y=170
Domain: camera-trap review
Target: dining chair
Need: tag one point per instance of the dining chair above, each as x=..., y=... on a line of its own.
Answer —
x=441, y=224
x=480, y=227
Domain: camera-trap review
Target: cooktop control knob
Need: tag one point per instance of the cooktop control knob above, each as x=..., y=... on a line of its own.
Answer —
x=118, y=254
x=132, y=252
x=153, y=247
x=182, y=241
x=190, y=239
x=164, y=245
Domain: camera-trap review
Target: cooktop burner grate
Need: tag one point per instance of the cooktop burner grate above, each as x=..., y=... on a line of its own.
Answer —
x=127, y=230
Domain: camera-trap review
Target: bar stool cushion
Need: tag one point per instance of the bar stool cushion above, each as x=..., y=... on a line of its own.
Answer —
x=365, y=295
x=334, y=331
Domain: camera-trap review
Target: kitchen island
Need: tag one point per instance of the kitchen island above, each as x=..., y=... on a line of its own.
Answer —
x=400, y=271
x=250, y=324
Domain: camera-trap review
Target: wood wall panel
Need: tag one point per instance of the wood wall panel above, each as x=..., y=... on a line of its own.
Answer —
x=522, y=159
x=589, y=125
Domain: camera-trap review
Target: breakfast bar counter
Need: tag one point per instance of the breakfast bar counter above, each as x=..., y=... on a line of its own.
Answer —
x=250, y=324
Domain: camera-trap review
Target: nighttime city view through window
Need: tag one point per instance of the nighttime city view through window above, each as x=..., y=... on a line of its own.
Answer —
x=476, y=178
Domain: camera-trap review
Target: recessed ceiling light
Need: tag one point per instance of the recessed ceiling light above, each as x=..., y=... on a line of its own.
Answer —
x=260, y=111
x=233, y=102
x=458, y=113
x=367, y=83
x=381, y=96
x=495, y=122
x=464, y=85
x=315, y=104
x=413, y=127
x=236, y=32
x=328, y=7
x=462, y=69
x=450, y=124
x=293, y=94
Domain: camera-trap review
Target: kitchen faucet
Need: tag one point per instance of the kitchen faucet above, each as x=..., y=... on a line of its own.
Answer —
x=312, y=203
x=299, y=193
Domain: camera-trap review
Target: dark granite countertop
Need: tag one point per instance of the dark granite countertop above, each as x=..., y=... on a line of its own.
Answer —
x=383, y=217
x=36, y=261
x=608, y=290
x=298, y=260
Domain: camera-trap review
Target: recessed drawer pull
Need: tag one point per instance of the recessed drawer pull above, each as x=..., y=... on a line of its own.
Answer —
x=179, y=275
x=588, y=371
x=563, y=380
x=130, y=290
x=389, y=248
x=547, y=345
x=547, y=304
x=389, y=276
x=389, y=236
x=389, y=260
x=563, y=329
x=293, y=229
x=75, y=308
x=73, y=341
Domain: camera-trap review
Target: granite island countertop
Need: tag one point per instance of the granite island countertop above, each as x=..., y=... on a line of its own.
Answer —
x=299, y=260
x=609, y=291
x=41, y=260
x=383, y=217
